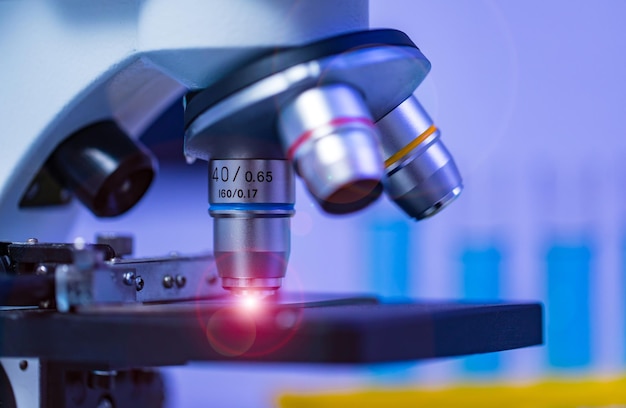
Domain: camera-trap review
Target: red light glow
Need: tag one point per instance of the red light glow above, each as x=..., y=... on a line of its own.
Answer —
x=250, y=302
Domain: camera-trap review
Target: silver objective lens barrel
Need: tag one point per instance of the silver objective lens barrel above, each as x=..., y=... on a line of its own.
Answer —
x=329, y=134
x=421, y=176
x=251, y=202
x=310, y=108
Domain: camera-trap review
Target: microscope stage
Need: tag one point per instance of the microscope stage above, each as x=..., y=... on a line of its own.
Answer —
x=318, y=329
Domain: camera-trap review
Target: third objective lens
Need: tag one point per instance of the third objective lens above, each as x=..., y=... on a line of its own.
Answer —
x=421, y=176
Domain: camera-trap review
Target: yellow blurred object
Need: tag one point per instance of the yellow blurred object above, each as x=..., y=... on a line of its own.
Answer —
x=558, y=393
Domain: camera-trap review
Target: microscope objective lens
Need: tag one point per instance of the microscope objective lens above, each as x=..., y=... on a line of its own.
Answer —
x=421, y=175
x=329, y=134
x=251, y=202
x=337, y=112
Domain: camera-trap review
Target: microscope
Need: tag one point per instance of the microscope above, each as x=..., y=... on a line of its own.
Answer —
x=272, y=90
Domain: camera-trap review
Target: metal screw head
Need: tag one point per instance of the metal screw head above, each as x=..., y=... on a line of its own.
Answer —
x=32, y=240
x=41, y=270
x=212, y=280
x=129, y=278
x=180, y=281
x=80, y=243
x=168, y=281
x=139, y=283
x=23, y=365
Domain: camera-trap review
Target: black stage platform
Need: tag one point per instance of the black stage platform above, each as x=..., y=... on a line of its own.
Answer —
x=318, y=330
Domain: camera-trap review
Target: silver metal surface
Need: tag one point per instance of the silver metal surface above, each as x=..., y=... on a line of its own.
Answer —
x=181, y=280
x=189, y=277
x=251, y=233
x=237, y=181
x=24, y=377
x=41, y=270
x=251, y=202
x=403, y=124
x=241, y=286
x=422, y=178
x=243, y=125
x=328, y=132
x=168, y=281
x=135, y=281
x=129, y=278
x=315, y=109
x=442, y=203
x=250, y=247
x=79, y=286
x=139, y=283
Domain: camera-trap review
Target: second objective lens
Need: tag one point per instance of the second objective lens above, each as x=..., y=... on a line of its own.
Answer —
x=329, y=134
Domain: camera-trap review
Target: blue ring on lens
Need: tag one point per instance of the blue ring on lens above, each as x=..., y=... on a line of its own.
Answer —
x=251, y=207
